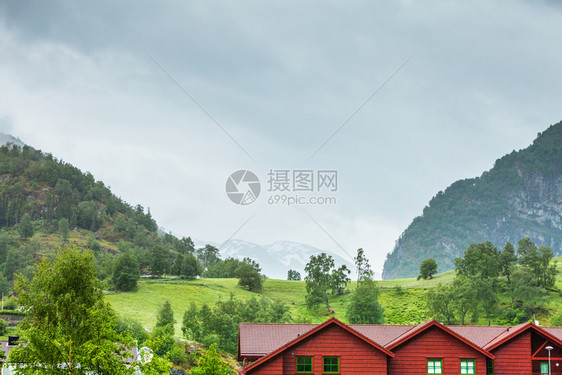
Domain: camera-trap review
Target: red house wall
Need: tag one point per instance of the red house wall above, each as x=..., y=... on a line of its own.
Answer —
x=356, y=356
x=272, y=367
x=514, y=357
x=411, y=357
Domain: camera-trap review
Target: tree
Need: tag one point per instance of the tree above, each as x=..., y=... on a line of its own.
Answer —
x=249, y=277
x=126, y=272
x=208, y=255
x=340, y=278
x=440, y=303
x=190, y=267
x=211, y=363
x=165, y=317
x=67, y=320
x=364, y=307
x=538, y=261
x=159, y=261
x=191, y=326
x=428, y=268
x=25, y=227
x=318, y=280
x=64, y=229
x=363, y=267
x=507, y=260
x=480, y=260
x=293, y=275
x=463, y=295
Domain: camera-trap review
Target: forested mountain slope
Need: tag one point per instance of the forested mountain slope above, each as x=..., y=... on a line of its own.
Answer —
x=521, y=196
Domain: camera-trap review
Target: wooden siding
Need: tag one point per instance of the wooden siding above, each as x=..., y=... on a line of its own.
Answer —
x=356, y=356
x=411, y=356
x=272, y=367
x=514, y=356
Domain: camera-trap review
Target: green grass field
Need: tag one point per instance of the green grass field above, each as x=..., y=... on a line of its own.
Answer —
x=402, y=299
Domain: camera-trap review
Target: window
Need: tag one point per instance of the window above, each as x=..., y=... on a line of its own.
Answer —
x=467, y=366
x=489, y=366
x=434, y=366
x=304, y=364
x=331, y=365
x=544, y=367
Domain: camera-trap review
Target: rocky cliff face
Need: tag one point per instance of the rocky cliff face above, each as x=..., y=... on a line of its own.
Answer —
x=520, y=197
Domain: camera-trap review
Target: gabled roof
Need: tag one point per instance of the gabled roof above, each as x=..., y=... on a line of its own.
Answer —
x=259, y=339
x=480, y=335
x=514, y=331
x=314, y=330
x=416, y=330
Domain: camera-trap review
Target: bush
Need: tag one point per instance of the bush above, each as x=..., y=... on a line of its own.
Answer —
x=3, y=327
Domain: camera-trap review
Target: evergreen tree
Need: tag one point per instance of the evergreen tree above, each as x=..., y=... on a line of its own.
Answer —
x=165, y=317
x=25, y=227
x=64, y=229
x=126, y=272
x=159, y=261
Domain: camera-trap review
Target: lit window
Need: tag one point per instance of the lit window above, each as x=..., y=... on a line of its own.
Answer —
x=467, y=366
x=544, y=368
x=434, y=366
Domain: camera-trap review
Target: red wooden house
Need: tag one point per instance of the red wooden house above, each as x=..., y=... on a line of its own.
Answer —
x=428, y=348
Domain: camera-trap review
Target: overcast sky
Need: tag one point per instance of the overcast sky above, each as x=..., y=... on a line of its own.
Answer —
x=106, y=86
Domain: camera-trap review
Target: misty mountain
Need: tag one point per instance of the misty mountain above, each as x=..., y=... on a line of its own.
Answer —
x=521, y=196
x=7, y=138
x=277, y=258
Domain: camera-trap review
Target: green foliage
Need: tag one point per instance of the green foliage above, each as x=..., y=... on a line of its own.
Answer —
x=293, y=275
x=211, y=363
x=364, y=306
x=159, y=260
x=249, y=277
x=440, y=303
x=25, y=227
x=479, y=209
x=323, y=279
x=186, y=266
x=133, y=328
x=556, y=320
x=538, y=261
x=208, y=255
x=3, y=327
x=126, y=272
x=363, y=267
x=428, y=268
x=64, y=229
x=480, y=260
x=67, y=319
x=219, y=324
x=165, y=317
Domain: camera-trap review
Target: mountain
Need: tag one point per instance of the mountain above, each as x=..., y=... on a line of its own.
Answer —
x=277, y=258
x=7, y=138
x=521, y=196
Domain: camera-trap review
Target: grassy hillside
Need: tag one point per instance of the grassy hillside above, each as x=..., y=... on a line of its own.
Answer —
x=403, y=299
